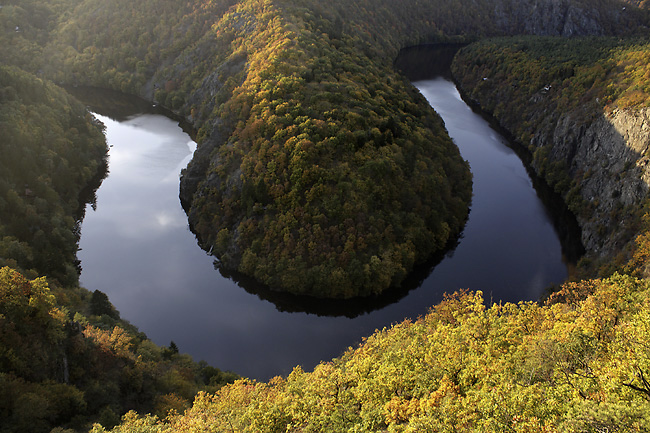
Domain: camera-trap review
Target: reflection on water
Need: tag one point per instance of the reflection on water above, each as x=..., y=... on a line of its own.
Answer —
x=137, y=248
x=350, y=308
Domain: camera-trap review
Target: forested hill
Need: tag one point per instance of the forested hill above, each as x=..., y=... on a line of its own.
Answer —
x=320, y=170
x=50, y=151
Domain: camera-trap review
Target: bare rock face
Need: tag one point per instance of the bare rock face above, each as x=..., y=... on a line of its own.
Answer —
x=608, y=157
x=556, y=17
x=619, y=144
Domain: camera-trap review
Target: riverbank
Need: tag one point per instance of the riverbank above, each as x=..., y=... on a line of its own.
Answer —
x=593, y=156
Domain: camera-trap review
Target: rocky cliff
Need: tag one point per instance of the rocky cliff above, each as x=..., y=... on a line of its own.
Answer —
x=559, y=17
x=608, y=160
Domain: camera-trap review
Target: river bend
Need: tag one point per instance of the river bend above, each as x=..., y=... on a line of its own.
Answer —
x=136, y=247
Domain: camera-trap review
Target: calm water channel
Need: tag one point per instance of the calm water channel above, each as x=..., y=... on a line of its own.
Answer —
x=136, y=247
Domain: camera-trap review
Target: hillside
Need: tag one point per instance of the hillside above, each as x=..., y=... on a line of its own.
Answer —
x=67, y=360
x=320, y=170
x=51, y=150
x=578, y=363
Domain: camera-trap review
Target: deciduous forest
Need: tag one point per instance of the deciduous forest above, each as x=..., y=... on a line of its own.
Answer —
x=320, y=170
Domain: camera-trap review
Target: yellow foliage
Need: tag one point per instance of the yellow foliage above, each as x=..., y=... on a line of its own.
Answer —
x=524, y=367
x=117, y=341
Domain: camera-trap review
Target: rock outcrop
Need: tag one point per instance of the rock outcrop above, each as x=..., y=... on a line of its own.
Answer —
x=608, y=159
x=555, y=18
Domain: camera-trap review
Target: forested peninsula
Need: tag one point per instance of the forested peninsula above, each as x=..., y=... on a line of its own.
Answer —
x=321, y=171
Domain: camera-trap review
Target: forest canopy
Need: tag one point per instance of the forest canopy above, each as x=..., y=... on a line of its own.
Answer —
x=332, y=182
x=50, y=151
x=577, y=363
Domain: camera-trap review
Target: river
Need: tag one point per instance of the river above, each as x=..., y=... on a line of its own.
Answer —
x=137, y=248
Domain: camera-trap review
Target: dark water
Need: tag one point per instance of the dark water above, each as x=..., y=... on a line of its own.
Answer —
x=137, y=247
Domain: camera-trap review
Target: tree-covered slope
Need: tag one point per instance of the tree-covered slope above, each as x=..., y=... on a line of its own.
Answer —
x=336, y=177
x=121, y=44
x=67, y=360
x=577, y=363
x=50, y=151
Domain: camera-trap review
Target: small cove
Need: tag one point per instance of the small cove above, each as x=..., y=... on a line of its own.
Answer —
x=136, y=247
